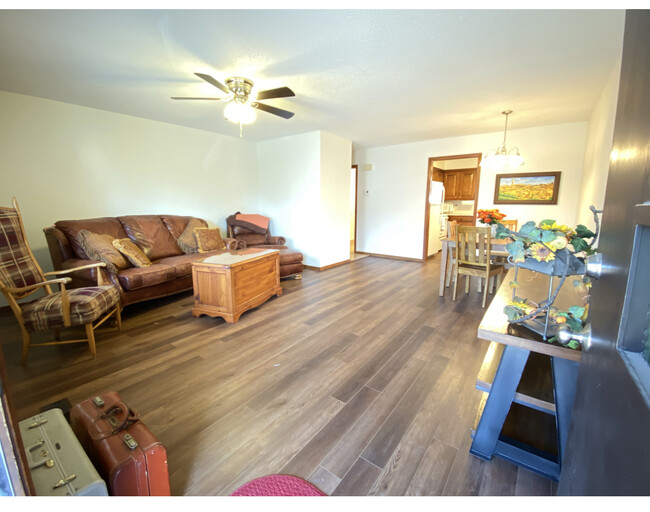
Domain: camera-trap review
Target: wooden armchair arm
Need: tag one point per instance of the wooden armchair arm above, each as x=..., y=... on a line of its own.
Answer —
x=83, y=267
x=23, y=289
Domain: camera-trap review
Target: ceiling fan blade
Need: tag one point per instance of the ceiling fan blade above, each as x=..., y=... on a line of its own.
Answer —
x=273, y=110
x=214, y=82
x=280, y=92
x=188, y=98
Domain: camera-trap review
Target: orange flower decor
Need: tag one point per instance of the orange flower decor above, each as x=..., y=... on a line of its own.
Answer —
x=490, y=216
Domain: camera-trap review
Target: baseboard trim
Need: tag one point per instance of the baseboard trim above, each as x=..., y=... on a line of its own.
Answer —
x=326, y=267
x=419, y=260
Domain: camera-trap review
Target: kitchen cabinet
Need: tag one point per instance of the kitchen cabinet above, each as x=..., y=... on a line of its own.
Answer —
x=466, y=184
x=460, y=185
x=450, y=182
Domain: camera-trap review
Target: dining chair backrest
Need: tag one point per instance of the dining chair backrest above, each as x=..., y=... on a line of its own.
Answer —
x=473, y=245
x=510, y=224
x=451, y=228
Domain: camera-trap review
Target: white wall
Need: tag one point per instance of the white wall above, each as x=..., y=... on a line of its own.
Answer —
x=304, y=189
x=289, y=184
x=391, y=217
x=64, y=161
x=600, y=135
x=336, y=159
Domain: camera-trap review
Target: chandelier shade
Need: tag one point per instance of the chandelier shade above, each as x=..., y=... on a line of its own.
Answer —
x=503, y=158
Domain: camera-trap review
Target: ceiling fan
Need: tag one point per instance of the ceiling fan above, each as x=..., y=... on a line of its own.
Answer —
x=240, y=100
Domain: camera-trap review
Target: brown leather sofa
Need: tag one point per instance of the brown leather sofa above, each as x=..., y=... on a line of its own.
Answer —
x=171, y=271
x=290, y=260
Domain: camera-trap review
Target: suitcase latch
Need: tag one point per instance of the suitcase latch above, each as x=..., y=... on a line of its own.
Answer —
x=38, y=423
x=64, y=481
x=98, y=401
x=130, y=443
x=113, y=421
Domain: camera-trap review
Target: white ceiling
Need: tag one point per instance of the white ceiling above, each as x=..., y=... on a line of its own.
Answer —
x=376, y=77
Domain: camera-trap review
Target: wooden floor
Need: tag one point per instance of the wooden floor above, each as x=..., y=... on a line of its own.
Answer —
x=359, y=379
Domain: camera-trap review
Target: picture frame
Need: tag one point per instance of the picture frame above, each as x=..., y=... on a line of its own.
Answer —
x=527, y=188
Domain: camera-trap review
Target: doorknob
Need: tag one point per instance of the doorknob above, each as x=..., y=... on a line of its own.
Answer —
x=565, y=335
x=594, y=265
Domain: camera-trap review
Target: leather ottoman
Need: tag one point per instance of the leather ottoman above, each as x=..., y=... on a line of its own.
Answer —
x=291, y=263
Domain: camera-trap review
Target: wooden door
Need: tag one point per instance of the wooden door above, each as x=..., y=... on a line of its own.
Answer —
x=608, y=448
x=467, y=183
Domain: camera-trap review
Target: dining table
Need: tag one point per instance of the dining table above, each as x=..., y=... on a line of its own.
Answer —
x=496, y=245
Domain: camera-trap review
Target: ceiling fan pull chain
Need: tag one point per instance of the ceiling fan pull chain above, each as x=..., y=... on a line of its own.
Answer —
x=241, y=130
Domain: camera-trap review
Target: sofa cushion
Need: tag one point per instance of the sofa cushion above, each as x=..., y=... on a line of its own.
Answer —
x=150, y=233
x=100, y=248
x=132, y=252
x=187, y=240
x=176, y=224
x=101, y=226
x=134, y=278
x=182, y=264
x=209, y=239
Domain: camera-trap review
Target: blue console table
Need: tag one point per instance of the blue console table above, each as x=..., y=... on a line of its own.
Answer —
x=509, y=354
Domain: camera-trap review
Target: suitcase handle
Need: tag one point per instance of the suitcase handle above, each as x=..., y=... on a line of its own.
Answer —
x=129, y=417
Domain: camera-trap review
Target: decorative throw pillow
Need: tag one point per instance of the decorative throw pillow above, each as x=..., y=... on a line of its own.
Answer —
x=100, y=248
x=132, y=252
x=209, y=239
x=187, y=240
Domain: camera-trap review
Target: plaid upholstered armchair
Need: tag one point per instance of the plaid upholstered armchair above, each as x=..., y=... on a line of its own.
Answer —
x=21, y=276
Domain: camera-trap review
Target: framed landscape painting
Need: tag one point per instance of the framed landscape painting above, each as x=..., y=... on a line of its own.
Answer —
x=527, y=188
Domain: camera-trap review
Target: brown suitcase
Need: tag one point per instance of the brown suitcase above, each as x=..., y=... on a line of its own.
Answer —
x=125, y=452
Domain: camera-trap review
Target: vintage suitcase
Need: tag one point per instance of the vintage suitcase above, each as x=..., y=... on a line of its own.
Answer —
x=57, y=462
x=127, y=455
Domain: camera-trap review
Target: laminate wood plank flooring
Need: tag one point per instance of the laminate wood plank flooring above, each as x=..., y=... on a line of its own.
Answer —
x=359, y=379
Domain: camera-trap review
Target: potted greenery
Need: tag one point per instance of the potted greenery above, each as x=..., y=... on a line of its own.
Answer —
x=557, y=251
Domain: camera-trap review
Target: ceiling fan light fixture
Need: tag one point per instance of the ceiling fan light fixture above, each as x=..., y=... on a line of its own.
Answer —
x=503, y=158
x=240, y=112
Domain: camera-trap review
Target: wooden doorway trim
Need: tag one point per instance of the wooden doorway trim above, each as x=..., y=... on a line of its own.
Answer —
x=425, y=242
x=356, y=200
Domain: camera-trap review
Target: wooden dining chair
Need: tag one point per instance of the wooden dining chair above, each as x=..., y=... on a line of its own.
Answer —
x=21, y=276
x=501, y=257
x=510, y=224
x=473, y=258
x=451, y=233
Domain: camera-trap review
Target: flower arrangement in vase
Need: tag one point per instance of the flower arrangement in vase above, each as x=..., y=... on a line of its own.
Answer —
x=490, y=218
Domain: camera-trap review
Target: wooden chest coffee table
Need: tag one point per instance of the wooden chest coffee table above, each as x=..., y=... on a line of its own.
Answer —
x=232, y=282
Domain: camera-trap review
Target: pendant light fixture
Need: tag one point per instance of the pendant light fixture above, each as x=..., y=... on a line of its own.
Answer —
x=503, y=158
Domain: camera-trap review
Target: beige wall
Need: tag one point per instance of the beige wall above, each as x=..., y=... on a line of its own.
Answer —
x=600, y=134
x=393, y=209
x=64, y=161
x=304, y=188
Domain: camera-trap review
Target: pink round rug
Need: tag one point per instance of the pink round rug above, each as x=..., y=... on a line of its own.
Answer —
x=278, y=485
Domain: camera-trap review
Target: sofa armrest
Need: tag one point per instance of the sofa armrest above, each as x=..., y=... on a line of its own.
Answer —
x=85, y=276
x=232, y=244
x=58, y=245
x=275, y=240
